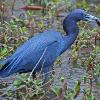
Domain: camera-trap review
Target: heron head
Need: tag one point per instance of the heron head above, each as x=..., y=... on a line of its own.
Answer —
x=79, y=14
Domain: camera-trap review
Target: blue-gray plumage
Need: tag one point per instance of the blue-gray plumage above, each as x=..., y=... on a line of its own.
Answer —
x=41, y=51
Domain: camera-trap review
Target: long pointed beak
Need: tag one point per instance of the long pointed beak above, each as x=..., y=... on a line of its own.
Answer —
x=91, y=18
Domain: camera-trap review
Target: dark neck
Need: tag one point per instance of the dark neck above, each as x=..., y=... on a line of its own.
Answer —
x=71, y=29
x=70, y=26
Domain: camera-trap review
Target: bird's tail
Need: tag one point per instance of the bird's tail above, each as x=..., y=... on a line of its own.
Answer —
x=4, y=69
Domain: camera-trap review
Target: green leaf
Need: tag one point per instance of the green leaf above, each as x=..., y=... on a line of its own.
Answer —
x=37, y=82
x=68, y=95
x=57, y=90
x=17, y=83
x=62, y=79
x=77, y=89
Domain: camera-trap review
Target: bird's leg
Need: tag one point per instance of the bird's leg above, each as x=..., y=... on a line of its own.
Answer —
x=46, y=81
x=34, y=75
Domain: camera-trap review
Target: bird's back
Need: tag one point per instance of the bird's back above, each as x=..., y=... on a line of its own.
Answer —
x=41, y=38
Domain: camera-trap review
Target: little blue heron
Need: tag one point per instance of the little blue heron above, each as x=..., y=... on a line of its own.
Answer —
x=40, y=52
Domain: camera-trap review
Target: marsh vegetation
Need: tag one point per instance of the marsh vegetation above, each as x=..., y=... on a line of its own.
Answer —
x=75, y=75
